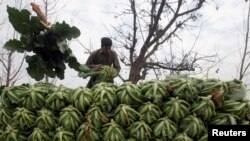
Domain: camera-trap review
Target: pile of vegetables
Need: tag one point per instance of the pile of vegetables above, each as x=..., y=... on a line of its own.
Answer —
x=173, y=109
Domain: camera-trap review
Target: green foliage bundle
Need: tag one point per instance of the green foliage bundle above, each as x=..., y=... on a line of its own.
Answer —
x=48, y=46
x=103, y=74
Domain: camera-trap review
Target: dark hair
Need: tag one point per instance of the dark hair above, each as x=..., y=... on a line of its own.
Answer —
x=105, y=41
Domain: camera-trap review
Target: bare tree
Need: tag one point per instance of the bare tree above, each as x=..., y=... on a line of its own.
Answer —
x=11, y=64
x=2, y=21
x=53, y=7
x=11, y=72
x=244, y=69
x=153, y=24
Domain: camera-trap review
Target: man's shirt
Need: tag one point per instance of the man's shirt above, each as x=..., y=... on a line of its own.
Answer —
x=110, y=59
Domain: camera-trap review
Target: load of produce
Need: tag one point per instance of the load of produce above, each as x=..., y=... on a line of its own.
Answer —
x=102, y=74
x=173, y=109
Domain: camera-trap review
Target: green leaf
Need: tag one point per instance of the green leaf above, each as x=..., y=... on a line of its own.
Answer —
x=60, y=72
x=62, y=46
x=19, y=19
x=87, y=74
x=36, y=25
x=65, y=31
x=61, y=65
x=14, y=45
x=50, y=73
x=237, y=90
x=26, y=41
x=1, y=88
x=59, y=69
x=84, y=68
x=35, y=68
x=60, y=75
x=73, y=63
x=75, y=32
x=83, y=75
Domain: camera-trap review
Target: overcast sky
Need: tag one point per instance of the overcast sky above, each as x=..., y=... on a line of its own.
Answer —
x=221, y=29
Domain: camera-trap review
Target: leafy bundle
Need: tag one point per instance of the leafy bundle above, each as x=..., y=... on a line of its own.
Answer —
x=104, y=74
x=48, y=45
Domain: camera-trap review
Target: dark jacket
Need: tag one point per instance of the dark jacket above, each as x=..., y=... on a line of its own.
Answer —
x=97, y=57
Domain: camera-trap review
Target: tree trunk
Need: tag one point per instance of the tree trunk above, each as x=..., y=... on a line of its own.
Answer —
x=9, y=66
x=135, y=70
x=244, y=65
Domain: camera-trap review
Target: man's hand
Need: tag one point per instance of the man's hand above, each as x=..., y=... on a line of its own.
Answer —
x=97, y=67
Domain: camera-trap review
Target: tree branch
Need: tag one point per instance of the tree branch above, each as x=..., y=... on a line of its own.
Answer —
x=134, y=40
x=87, y=49
x=164, y=40
x=152, y=28
x=1, y=60
x=19, y=68
x=242, y=71
x=194, y=9
x=123, y=80
x=144, y=73
x=159, y=65
x=246, y=69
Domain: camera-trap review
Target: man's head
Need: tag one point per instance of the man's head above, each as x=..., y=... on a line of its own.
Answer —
x=106, y=44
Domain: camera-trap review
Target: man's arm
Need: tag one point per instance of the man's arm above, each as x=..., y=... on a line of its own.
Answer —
x=116, y=64
x=90, y=61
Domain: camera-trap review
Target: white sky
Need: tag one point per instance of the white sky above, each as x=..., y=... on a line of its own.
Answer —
x=221, y=32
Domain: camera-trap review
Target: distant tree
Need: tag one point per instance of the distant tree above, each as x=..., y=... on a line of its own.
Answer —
x=52, y=8
x=147, y=27
x=11, y=71
x=11, y=64
x=244, y=68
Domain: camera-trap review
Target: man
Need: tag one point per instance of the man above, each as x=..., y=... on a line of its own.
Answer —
x=103, y=56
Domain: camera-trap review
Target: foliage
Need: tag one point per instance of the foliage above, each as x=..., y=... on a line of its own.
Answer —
x=236, y=90
x=105, y=73
x=49, y=44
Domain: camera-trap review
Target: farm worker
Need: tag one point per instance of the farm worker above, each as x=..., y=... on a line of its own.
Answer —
x=103, y=56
